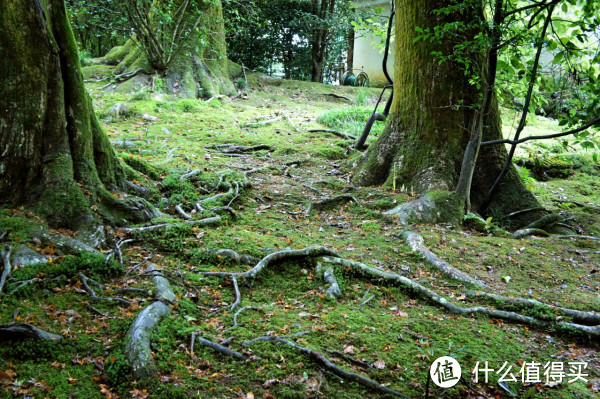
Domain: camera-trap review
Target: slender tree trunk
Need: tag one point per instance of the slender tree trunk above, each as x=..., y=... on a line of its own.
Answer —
x=55, y=157
x=321, y=9
x=350, y=55
x=424, y=142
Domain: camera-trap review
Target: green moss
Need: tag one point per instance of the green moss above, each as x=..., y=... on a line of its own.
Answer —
x=64, y=205
x=189, y=105
x=19, y=229
x=116, y=54
x=97, y=71
x=140, y=165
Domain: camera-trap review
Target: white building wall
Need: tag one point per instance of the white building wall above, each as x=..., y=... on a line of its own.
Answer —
x=367, y=58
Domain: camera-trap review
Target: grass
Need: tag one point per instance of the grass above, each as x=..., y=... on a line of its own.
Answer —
x=271, y=215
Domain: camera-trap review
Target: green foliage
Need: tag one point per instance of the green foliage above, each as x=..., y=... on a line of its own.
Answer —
x=478, y=223
x=565, y=78
x=280, y=33
x=526, y=178
x=96, y=27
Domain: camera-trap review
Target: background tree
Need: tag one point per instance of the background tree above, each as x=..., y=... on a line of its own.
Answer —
x=181, y=41
x=262, y=34
x=97, y=25
x=446, y=98
x=55, y=157
x=307, y=38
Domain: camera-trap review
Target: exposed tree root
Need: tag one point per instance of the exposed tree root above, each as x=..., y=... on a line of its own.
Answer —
x=138, y=337
x=369, y=299
x=334, y=289
x=84, y=280
x=23, y=284
x=183, y=213
x=289, y=120
x=276, y=257
x=236, y=257
x=240, y=149
x=415, y=242
x=337, y=96
x=262, y=123
x=580, y=204
x=525, y=211
x=542, y=233
x=453, y=308
x=190, y=174
x=21, y=331
x=235, y=316
x=530, y=232
x=202, y=222
x=577, y=315
x=7, y=267
x=310, y=187
x=334, y=132
x=349, y=359
x=575, y=236
x=330, y=202
x=326, y=363
x=219, y=348
x=238, y=296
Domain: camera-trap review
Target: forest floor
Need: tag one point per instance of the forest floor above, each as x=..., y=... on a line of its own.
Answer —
x=375, y=328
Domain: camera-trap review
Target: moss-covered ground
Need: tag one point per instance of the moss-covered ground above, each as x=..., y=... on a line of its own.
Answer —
x=398, y=334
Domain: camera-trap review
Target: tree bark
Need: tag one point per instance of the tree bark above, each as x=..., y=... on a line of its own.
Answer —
x=55, y=157
x=198, y=69
x=321, y=9
x=423, y=145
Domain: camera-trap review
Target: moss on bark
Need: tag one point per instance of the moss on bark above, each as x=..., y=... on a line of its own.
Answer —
x=423, y=145
x=56, y=158
x=199, y=69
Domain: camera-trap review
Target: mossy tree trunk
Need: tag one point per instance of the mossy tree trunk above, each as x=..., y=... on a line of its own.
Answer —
x=424, y=142
x=199, y=66
x=55, y=157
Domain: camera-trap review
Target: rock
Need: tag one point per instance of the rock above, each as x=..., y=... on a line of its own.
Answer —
x=165, y=130
x=150, y=118
x=118, y=110
x=23, y=256
x=64, y=245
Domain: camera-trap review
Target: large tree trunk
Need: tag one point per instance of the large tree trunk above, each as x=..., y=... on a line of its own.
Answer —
x=424, y=142
x=55, y=157
x=199, y=68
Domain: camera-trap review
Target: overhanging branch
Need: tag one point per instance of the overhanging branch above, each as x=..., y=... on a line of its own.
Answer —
x=544, y=137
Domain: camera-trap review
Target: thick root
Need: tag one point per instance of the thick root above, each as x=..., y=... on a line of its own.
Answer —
x=327, y=364
x=453, y=308
x=21, y=331
x=310, y=252
x=138, y=339
x=331, y=202
x=415, y=242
